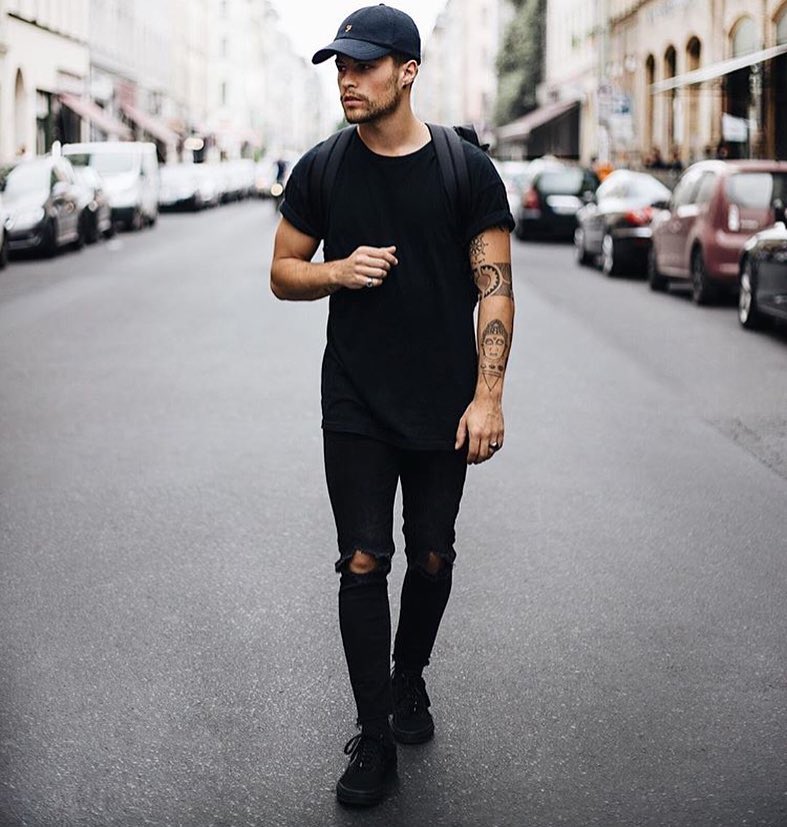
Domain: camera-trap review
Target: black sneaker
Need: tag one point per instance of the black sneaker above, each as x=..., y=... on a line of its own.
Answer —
x=372, y=769
x=412, y=722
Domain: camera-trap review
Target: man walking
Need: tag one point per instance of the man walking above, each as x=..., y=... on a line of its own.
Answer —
x=410, y=393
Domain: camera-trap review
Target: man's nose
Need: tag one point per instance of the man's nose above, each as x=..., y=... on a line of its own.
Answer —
x=347, y=80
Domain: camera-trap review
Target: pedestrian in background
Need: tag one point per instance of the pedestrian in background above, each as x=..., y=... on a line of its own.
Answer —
x=410, y=391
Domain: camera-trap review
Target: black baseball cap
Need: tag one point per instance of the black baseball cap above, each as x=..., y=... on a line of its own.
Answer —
x=373, y=32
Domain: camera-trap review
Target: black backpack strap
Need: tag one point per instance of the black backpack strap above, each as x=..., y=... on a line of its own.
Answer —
x=322, y=175
x=453, y=168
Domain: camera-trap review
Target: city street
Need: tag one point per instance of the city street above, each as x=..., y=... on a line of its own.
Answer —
x=614, y=650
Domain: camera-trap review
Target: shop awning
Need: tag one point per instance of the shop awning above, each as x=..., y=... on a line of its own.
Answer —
x=717, y=70
x=151, y=124
x=96, y=115
x=521, y=128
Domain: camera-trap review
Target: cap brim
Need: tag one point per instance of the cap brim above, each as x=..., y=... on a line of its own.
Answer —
x=356, y=49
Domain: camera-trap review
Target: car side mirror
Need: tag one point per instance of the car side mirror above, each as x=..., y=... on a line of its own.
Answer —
x=779, y=213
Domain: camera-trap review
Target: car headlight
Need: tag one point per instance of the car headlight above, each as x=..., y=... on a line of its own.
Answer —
x=25, y=219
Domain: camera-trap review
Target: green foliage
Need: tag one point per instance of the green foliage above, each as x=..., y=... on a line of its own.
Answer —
x=520, y=64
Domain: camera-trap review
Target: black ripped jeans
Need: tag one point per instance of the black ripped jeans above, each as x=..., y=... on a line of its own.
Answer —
x=362, y=475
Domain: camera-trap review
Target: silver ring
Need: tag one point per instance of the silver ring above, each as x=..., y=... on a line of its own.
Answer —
x=493, y=446
x=369, y=283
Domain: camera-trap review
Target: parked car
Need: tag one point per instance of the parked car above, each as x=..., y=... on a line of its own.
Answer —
x=615, y=226
x=715, y=207
x=180, y=187
x=208, y=185
x=43, y=203
x=514, y=176
x=551, y=200
x=763, y=274
x=131, y=176
x=96, y=215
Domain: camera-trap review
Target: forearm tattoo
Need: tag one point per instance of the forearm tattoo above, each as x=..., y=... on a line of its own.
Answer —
x=494, y=279
x=477, y=249
x=495, y=343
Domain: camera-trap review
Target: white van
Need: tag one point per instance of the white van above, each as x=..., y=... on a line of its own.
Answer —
x=131, y=177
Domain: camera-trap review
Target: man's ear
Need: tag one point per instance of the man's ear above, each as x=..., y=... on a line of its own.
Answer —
x=409, y=72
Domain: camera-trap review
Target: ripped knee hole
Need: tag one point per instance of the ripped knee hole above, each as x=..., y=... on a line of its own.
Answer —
x=362, y=563
x=433, y=563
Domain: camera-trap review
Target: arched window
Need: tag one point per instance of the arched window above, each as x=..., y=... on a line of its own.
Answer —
x=781, y=27
x=778, y=71
x=693, y=139
x=744, y=37
x=650, y=79
x=670, y=70
x=20, y=116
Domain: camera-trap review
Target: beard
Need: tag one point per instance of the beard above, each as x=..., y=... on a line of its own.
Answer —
x=374, y=110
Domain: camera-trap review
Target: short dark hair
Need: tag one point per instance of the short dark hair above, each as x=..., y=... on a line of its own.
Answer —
x=400, y=58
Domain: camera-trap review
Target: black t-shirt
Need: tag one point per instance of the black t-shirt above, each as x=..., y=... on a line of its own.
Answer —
x=400, y=362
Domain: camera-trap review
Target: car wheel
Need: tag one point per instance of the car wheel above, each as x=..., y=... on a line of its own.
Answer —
x=656, y=281
x=110, y=230
x=136, y=221
x=49, y=242
x=702, y=291
x=83, y=231
x=581, y=254
x=748, y=314
x=79, y=241
x=609, y=260
x=91, y=227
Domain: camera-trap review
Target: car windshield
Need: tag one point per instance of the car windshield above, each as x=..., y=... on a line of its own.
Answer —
x=756, y=190
x=646, y=187
x=565, y=181
x=107, y=163
x=26, y=178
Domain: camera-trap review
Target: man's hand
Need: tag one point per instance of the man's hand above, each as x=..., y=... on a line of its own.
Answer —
x=481, y=426
x=366, y=267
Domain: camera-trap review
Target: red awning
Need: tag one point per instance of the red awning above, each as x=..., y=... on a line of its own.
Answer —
x=96, y=115
x=521, y=128
x=151, y=124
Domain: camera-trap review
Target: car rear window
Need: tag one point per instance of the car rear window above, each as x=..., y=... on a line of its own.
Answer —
x=564, y=181
x=756, y=190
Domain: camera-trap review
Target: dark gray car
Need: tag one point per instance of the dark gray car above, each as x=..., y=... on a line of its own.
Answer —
x=43, y=203
x=615, y=227
x=763, y=275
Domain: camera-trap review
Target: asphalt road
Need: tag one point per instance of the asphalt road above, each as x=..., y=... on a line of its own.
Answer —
x=614, y=649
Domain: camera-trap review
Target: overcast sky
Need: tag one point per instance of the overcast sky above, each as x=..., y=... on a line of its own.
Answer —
x=312, y=24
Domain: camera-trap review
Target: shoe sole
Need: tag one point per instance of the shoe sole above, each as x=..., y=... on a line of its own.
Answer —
x=355, y=798
x=419, y=737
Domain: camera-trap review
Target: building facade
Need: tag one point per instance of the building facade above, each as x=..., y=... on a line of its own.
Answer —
x=458, y=78
x=43, y=56
x=211, y=77
x=705, y=77
x=676, y=79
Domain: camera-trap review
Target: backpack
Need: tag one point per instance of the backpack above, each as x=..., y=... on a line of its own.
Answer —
x=450, y=158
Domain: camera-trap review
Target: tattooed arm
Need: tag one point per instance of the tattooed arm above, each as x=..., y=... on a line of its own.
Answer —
x=482, y=423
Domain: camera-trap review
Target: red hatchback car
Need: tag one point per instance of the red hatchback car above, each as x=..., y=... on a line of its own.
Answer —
x=715, y=207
